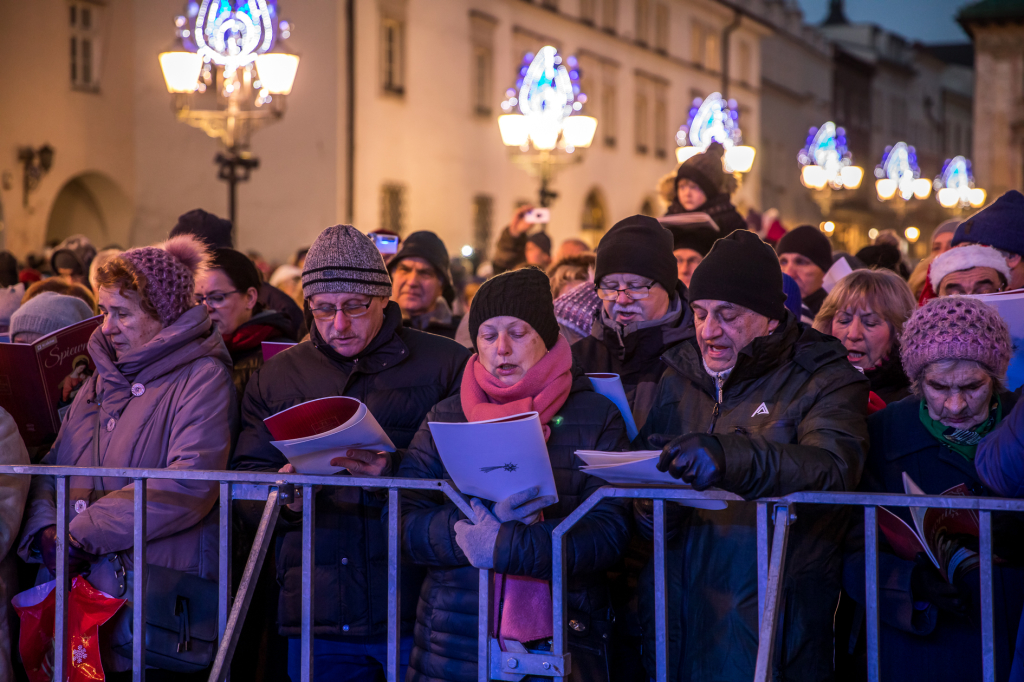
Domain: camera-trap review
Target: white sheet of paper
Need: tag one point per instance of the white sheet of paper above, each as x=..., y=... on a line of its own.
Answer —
x=835, y=273
x=637, y=468
x=496, y=458
x=1010, y=305
x=610, y=386
x=313, y=454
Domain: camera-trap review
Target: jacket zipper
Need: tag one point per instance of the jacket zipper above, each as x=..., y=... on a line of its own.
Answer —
x=718, y=406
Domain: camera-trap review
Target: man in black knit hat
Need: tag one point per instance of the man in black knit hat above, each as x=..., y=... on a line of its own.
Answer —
x=761, y=405
x=805, y=254
x=422, y=284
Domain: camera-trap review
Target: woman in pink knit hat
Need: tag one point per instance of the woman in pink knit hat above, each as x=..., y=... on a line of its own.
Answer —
x=955, y=351
x=161, y=397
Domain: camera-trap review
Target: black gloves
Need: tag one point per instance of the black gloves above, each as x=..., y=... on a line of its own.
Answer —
x=927, y=584
x=696, y=458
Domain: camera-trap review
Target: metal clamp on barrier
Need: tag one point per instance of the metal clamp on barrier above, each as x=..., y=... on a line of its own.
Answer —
x=515, y=665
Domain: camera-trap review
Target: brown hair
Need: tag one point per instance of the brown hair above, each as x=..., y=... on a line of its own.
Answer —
x=883, y=290
x=59, y=285
x=118, y=273
x=570, y=269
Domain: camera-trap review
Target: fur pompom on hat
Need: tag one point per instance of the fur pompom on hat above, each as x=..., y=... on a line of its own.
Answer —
x=964, y=258
x=955, y=328
x=168, y=273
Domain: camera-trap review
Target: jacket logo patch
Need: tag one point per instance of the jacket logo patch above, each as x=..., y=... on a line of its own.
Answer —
x=761, y=409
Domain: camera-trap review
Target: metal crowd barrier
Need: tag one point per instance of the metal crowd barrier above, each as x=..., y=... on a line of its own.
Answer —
x=494, y=664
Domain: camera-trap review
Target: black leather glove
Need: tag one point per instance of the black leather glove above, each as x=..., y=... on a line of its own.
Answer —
x=927, y=584
x=78, y=559
x=696, y=458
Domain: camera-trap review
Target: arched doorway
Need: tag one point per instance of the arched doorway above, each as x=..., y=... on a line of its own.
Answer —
x=649, y=207
x=595, y=217
x=93, y=205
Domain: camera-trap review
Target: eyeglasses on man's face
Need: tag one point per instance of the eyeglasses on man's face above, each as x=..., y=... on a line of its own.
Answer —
x=349, y=310
x=633, y=293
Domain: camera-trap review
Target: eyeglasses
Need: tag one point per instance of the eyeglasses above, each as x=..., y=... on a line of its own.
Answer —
x=349, y=311
x=632, y=294
x=215, y=300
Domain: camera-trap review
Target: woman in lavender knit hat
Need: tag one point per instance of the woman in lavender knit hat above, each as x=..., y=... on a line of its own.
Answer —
x=161, y=397
x=955, y=350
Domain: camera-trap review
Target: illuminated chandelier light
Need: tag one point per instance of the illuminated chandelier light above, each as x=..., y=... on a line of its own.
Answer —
x=954, y=187
x=548, y=97
x=899, y=175
x=826, y=160
x=231, y=33
x=714, y=119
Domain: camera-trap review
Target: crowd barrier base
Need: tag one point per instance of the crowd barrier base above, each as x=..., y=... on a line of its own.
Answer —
x=775, y=517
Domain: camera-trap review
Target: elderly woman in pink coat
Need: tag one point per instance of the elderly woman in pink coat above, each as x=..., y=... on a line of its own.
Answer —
x=161, y=397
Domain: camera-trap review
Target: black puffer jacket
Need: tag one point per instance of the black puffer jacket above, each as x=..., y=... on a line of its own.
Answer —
x=810, y=435
x=247, y=358
x=446, y=619
x=635, y=356
x=400, y=376
x=274, y=299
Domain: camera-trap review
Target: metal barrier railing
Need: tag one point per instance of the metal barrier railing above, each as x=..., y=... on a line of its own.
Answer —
x=493, y=664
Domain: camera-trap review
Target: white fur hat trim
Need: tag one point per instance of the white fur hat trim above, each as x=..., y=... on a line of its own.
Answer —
x=965, y=258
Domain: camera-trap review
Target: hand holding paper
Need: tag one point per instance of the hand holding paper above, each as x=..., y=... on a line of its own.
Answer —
x=477, y=538
x=362, y=462
x=524, y=506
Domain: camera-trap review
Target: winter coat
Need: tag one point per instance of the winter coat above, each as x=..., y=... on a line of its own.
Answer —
x=13, y=493
x=400, y=375
x=790, y=418
x=446, y=618
x=998, y=461
x=183, y=417
x=273, y=298
x=918, y=641
x=635, y=356
x=246, y=358
x=509, y=251
x=721, y=210
x=890, y=382
x=439, y=320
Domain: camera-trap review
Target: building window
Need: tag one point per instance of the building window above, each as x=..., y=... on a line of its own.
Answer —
x=661, y=24
x=482, y=59
x=647, y=208
x=610, y=15
x=83, y=20
x=660, y=121
x=643, y=22
x=746, y=64
x=483, y=208
x=392, y=55
x=704, y=49
x=588, y=11
x=610, y=106
x=392, y=211
x=594, y=216
x=641, y=127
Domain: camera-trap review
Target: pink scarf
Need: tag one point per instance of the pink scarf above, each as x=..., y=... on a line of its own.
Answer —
x=543, y=389
x=522, y=605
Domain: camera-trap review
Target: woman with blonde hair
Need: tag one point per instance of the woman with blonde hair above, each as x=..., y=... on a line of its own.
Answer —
x=866, y=311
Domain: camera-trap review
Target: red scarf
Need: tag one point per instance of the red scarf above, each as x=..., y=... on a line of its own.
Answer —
x=522, y=605
x=249, y=336
x=543, y=389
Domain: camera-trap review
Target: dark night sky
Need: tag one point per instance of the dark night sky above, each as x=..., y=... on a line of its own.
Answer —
x=929, y=21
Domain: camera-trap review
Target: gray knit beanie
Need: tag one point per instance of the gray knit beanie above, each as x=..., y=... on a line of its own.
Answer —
x=48, y=312
x=343, y=260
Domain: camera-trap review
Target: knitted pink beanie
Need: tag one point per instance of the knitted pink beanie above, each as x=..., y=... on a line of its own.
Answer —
x=955, y=328
x=169, y=270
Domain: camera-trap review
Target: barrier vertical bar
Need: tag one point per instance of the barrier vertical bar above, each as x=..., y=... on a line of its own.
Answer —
x=308, y=557
x=762, y=559
x=224, y=561
x=558, y=598
x=483, y=627
x=60, y=625
x=660, y=597
x=988, y=633
x=139, y=587
x=394, y=584
x=871, y=589
x=773, y=595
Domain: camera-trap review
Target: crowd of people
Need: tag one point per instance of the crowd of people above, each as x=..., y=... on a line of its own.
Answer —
x=738, y=363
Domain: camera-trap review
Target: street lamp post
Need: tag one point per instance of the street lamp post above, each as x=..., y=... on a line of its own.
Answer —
x=547, y=134
x=230, y=74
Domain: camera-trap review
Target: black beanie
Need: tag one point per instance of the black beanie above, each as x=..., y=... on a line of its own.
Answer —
x=212, y=230
x=699, y=239
x=809, y=242
x=525, y=294
x=542, y=241
x=638, y=245
x=741, y=269
x=705, y=169
x=429, y=247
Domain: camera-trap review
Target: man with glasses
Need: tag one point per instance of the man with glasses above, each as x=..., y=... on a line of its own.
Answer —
x=358, y=348
x=643, y=314
x=643, y=309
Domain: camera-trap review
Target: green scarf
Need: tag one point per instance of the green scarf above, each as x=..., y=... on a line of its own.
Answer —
x=964, y=442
